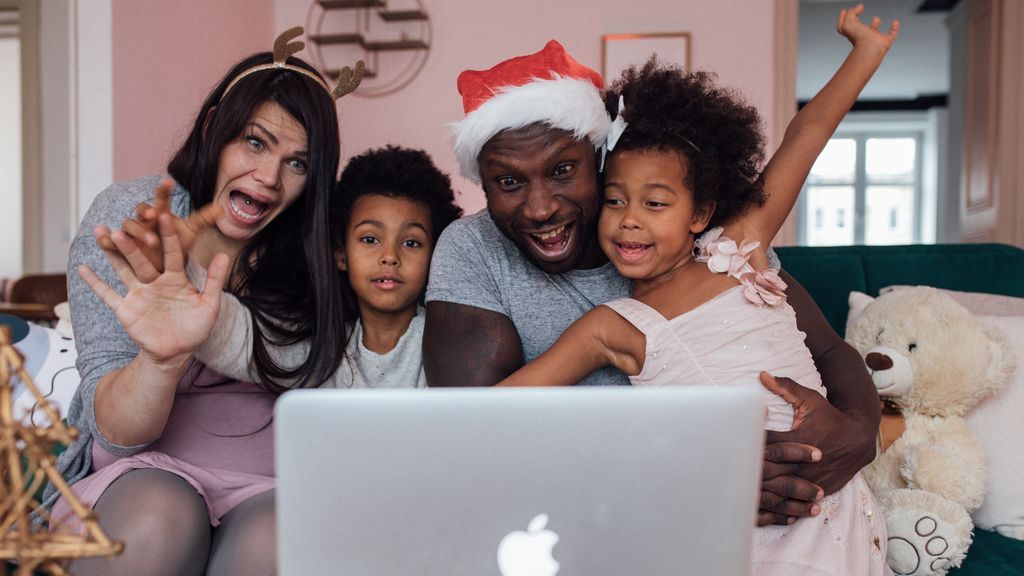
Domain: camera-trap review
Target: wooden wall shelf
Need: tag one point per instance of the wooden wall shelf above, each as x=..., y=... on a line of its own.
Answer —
x=402, y=15
x=372, y=46
x=348, y=4
x=357, y=36
x=393, y=45
x=327, y=39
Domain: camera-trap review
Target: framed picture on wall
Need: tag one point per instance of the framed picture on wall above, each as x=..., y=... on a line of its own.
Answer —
x=620, y=51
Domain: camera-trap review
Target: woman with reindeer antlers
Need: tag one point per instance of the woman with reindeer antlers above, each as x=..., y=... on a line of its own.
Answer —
x=176, y=460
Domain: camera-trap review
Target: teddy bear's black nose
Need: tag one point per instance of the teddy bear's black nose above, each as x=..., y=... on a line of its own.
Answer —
x=878, y=361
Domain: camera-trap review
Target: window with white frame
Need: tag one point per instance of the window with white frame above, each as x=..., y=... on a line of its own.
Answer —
x=869, y=186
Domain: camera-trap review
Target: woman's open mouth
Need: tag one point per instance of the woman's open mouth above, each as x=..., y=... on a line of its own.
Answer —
x=246, y=209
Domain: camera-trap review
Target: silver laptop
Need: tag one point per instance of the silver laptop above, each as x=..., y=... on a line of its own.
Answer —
x=518, y=482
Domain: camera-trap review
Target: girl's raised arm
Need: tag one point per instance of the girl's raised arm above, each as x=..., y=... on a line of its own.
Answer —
x=812, y=127
x=598, y=338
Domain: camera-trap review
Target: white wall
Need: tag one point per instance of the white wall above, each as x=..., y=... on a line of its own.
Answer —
x=10, y=158
x=917, y=64
x=93, y=107
x=55, y=78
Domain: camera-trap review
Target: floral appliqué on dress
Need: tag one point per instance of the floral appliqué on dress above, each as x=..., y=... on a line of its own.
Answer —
x=722, y=255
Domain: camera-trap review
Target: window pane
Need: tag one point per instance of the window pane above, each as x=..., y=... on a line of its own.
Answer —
x=833, y=208
x=891, y=159
x=837, y=163
x=890, y=215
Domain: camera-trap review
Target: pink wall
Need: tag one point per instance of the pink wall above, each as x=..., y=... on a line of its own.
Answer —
x=731, y=37
x=167, y=56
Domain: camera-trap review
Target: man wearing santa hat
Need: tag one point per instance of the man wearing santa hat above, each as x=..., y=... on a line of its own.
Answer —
x=507, y=281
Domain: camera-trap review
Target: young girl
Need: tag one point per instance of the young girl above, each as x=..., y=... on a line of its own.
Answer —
x=391, y=206
x=687, y=216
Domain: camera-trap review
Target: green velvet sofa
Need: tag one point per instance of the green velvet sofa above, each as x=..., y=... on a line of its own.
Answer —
x=830, y=273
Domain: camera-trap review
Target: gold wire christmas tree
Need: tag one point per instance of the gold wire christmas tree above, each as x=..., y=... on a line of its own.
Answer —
x=26, y=461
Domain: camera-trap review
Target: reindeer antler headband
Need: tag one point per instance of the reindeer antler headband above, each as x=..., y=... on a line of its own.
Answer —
x=284, y=47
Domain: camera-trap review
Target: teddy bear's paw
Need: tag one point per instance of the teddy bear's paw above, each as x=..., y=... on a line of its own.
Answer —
x=927, y=533
x=924, y=550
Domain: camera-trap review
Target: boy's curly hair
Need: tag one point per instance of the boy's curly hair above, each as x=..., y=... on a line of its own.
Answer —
x=713, y=128
x=395, y=172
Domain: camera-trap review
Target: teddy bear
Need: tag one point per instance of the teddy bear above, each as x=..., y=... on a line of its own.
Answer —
x=931, y=361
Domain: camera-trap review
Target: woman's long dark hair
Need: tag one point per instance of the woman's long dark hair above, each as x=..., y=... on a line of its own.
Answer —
x=286, y=273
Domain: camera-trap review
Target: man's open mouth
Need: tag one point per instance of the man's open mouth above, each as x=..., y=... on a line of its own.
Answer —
x=553, y=244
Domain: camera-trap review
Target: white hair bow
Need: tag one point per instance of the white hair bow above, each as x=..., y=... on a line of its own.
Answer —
x=615, y=131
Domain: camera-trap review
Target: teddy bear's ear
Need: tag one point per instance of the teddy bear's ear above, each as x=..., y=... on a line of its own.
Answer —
x=1003, y=362
x=857, y=301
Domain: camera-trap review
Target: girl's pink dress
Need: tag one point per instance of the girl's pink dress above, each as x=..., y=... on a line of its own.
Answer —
x=728, y=341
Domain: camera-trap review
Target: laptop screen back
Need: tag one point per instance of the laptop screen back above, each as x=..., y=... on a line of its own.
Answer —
x=518, y=482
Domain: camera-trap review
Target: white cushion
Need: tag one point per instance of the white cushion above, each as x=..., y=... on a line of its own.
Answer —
x=49, y=359
x=979, y=303
x=999, y=423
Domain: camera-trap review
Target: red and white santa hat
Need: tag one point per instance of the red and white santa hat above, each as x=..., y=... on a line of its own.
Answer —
x=549, y=87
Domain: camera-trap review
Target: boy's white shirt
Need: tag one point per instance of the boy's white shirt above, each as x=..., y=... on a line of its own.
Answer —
x=228, y=349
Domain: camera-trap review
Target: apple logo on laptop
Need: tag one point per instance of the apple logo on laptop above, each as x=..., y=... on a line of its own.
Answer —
x=528, y=553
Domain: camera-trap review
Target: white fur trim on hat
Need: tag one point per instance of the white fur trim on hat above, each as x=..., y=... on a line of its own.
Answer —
x=569, y=104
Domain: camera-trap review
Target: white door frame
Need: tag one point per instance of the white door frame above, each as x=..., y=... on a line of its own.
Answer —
x=786, y=46
x=67, y=102
x=31, y=166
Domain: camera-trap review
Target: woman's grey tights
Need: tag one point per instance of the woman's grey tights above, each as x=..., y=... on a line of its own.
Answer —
x=165, y=529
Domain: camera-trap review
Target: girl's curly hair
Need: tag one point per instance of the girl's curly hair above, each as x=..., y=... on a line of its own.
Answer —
x=712, y=128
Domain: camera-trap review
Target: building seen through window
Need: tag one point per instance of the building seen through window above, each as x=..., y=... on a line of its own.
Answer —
x=864, y=189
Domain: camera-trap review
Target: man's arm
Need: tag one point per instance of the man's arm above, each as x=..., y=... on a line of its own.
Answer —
x=468, y=346
x=847, y=444
x=832, y=439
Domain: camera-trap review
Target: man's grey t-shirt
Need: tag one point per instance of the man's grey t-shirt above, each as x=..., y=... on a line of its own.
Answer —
x=476, y=265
